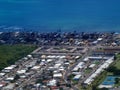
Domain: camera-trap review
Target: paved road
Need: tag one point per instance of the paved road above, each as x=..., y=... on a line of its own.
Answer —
x=67, y=71
x=33, y=76
x=71, y=68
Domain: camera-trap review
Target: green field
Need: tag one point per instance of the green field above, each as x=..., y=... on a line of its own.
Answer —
x=11, y=53
x=117, y=63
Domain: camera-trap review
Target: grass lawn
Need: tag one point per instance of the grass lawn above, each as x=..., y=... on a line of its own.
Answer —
x=11, y=53
x=88, y=71
x=117, y=63
x=103, y=75
x=96, y=62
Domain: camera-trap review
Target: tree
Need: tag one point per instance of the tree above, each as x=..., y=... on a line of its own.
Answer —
x=116, y=72
x=116, y=80
x=94, y=88
x=17, y=77
x=104, y=89
x=111, y=69
x=68, y=85
x=61, y=88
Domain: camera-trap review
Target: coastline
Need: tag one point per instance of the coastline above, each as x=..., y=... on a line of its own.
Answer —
x=41, y=29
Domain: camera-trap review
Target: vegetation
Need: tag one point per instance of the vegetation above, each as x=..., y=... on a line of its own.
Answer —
x=117, y=80
x=114, y=69
x=70, y=77
x=97, y=81
x=96, y=62
x=11, y=53
x=88, y=70
x=40, y=80
x=117, y=63
x=74, y=82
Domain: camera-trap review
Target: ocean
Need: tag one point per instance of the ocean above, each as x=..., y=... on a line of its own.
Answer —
x=67, y=15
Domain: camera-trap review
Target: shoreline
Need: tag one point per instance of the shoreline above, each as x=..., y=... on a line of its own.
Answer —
x=5, y=28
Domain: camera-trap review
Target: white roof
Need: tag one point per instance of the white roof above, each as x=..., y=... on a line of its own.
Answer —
x=43, y=60
x=57, y=65
x=99, y=57
x=86, y=59
x=75, y=69
x=57, y=75
x=76, y=73
x=49, y=60
x=23, y=76
x=51, y=56
x=2, y=74
x=42, y=63
x=92, y=65
x=51, y=67
x=9, y=87
x=10, y=67
x=25, y=58
x=56, y=71
x=62, y=57
x=110, y=60
x=59, y=62
x=1, y=85
x=5, y=70
x=77, y=57
x=21, y=71
x=36, y=67
x=88, y=81
x=105, y=65
x=67, y=63
x=99, y=70
x=105, y=86
x=58, y=56
x=10, y=78
x=13, y=66
x=81, y=65
x=61, y=69
x=43, y=56
x=93, y=75
x=99, y=39
x=77, y=76
x=29, y=56
x=52, y=82
x=94, y=42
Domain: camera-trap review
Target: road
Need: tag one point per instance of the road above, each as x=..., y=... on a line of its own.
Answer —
x=68, y=71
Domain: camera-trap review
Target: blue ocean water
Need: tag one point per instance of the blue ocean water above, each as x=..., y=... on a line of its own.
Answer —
x=49, y=15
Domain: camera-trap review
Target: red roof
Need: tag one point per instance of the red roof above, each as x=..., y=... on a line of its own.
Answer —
x=54, y=87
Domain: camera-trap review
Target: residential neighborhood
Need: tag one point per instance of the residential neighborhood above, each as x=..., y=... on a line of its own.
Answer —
x=62, y=67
